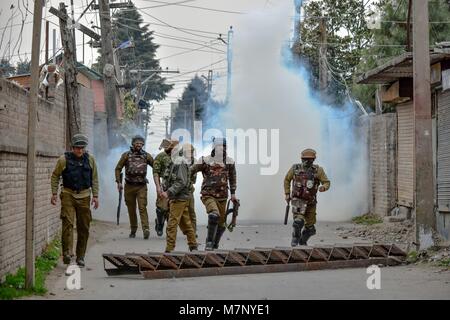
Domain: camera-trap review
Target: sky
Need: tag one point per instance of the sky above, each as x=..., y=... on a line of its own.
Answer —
x=190, y=14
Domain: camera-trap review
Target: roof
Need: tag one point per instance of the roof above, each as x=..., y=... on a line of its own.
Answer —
x=399, y=67
x=88, y=72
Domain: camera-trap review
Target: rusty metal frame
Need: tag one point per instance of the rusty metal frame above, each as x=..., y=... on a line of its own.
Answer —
x=258, y=260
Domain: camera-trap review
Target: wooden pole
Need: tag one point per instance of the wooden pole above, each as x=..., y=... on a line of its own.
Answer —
x=423, y=161
x=109, y=76
x=70, y=72
x=31, y=145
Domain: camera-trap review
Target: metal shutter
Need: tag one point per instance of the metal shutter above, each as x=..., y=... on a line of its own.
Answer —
x=443, y=152
x=405, y=152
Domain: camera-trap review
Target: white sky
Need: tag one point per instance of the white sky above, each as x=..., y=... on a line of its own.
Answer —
x=174, y=15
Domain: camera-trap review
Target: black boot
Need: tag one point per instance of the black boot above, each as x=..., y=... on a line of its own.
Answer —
x=296, y=232
x=306, y=234
x=159, y=222
x=220, y=231
x=80, y=262
x=133, y=234
x=67, y=258
x=213, y=220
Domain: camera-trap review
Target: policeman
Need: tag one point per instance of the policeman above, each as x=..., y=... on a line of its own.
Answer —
x=178, y=192
x=135, y=162
x=219, y=176
x=160, y=167
x=79, y=180
x=307, y=178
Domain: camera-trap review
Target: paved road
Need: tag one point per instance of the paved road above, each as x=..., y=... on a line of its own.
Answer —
x=404, y=282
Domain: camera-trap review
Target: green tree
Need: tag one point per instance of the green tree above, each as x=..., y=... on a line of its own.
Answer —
x=390, y=39
x=128, y=25
x=23, y=67
x=196, y=89
x=347, y=35
x=6, y=68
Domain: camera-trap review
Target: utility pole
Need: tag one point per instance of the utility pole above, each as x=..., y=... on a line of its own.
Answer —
x=54, y=46
x=423, y=160
x=408, y=27
x=31, y=145
x=70, y=73
x=166, y=120
x=323, y=69
x=193, y=115
x=109, y=75
x=229, y=62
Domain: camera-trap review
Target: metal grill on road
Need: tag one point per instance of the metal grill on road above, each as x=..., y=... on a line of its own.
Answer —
x=154, y=265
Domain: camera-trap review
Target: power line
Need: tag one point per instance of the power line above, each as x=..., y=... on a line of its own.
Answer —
x=169, y=25
x=201, y=8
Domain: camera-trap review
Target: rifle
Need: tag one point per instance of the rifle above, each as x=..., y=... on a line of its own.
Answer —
x=235, y=211
x=286, y=214
x=120, y=199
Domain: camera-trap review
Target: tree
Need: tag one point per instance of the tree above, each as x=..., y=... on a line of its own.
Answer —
x=196, y=89
x=6, y=68
x=128, y=25
x=391, y=39
x=23, y=67
x=347, y=35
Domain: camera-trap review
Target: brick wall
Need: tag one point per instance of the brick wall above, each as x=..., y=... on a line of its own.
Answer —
x=383, y=130
x=50, y=144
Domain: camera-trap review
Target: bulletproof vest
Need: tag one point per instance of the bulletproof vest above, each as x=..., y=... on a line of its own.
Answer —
x=136, y=168
x=215, y=180
x=78, y=173
x=305, y=183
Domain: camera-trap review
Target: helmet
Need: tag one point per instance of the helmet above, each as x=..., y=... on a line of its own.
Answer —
x=137, y=138
x=79, y=140
x=308, y=154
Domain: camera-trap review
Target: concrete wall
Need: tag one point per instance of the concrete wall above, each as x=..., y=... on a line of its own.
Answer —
x=383, y=130
x=50, y=144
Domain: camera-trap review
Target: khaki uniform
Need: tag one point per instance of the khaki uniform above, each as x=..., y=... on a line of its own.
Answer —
x=75, y=207
x=135, y=191
x=310, y=213
x=191, y=207
x=178, y=184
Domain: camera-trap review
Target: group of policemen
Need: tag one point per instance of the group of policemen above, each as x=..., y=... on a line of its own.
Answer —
x=174, y=173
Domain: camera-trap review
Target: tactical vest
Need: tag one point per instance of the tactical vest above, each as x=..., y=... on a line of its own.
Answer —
x=305, y=183
x=215, y=180
x=77, y=175
x=136, y=168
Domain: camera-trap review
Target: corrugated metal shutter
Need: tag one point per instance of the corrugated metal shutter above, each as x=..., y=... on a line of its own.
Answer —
x=443, y=152
x=405, y=152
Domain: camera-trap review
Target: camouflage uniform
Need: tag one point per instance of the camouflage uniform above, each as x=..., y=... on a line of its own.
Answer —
x=135, y=189
x=305, y=184
x=161, y=165
x=178, y=190
x=217, y=174
x=79, y=180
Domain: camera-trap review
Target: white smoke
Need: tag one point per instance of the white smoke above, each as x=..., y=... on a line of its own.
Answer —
x=268, y=93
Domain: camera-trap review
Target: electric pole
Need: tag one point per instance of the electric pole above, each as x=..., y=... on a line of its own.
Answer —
x=109, y=74
x=31, y=145
x=193, y=116
x=66, y=24
x=323, y=69
x=229, y=63
x=423, y=166
x=70, y=74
